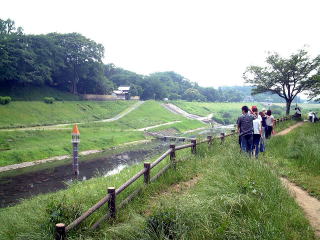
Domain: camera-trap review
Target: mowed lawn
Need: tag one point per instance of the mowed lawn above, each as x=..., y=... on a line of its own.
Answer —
x=33, y=113
x=22, y=146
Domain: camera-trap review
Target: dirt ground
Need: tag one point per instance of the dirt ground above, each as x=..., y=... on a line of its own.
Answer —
x=310, y=205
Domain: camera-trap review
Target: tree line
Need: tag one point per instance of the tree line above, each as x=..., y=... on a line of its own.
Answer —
x=71, y=62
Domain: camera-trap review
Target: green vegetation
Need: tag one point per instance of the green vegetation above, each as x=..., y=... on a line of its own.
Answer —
x=21, y=146
x=5, y=100
x=221, y=194
x=26, y=114
x=148, y=114
x=296, y=155
x=73, y=63
x=226, y=113
x=48, y=100
x=37, y=93
x=286, y=77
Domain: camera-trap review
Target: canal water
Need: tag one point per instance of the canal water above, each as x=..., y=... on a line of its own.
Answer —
x=20, y=184
x=25, y=183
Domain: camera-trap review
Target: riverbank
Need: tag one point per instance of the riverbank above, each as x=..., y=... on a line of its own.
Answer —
x=217, y=194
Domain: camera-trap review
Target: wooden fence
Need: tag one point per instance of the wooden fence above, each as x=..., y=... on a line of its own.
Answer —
x=61, y=229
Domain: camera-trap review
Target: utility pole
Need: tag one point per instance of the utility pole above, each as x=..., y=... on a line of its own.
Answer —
x=75, y=141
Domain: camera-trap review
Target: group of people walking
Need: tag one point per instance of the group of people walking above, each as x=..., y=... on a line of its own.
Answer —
x=254, y=128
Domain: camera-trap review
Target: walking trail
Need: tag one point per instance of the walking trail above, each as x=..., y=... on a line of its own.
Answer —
x=175, y=109
x=60, y=126
x=310, y=205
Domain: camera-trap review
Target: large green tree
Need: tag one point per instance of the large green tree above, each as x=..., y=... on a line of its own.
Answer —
x=286, y=77
x=78, y=51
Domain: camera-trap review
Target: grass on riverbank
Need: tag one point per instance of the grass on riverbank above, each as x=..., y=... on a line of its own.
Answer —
x=232, y=197
x=297, y=156
x=37, y=93
x=32, y=113
x=22, y=146
x=226, y=113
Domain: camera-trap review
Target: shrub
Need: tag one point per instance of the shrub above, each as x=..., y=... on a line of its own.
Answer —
x=226, y=115
x=48, y=100
x=5, y=100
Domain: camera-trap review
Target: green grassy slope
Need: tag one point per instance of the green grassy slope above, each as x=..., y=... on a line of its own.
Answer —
x=233, y=197
x=226, y=113
x=21, y=146
x=148, y=114
x=36, y=93
x=33, y=113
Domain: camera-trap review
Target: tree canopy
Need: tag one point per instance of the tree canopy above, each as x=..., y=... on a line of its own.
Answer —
x=72, y=62
x=285, y=77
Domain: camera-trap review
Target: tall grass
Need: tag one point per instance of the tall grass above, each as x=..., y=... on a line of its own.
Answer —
x=296, y=155
x=234, y=197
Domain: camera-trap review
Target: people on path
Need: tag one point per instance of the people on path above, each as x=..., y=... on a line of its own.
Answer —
x=263, y=131
x=270, y=124
x=297, y=115
x=245, y=129
x=257, y=131
x=313, y=117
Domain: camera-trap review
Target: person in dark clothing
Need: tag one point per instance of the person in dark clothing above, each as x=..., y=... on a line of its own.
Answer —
x=263, y=131
x=245, y=128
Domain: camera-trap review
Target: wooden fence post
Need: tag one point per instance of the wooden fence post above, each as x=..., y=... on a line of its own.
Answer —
x=222, y=135
x=173, y=155
x=112, y=202
x=60, y=233
x=147, y=166
x=194, y=146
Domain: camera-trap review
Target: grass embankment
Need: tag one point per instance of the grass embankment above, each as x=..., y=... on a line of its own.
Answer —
x=26, y=114
x=37, y=93
x=21, y=146
x=297, y=156
x=226, y=113
x=230, y=197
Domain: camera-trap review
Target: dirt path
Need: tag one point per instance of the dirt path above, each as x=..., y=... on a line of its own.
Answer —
x=175, y=109
x=68, y=125
x=289, y=129
x=155, y=126
x=310, y=205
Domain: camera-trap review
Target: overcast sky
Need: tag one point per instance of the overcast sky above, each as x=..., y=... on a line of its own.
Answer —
x=209, y=42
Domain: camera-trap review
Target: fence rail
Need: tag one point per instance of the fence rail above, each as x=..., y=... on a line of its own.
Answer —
x=61, y=229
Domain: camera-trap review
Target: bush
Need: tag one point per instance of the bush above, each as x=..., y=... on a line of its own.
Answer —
x=5, y=100
x=48, y=100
